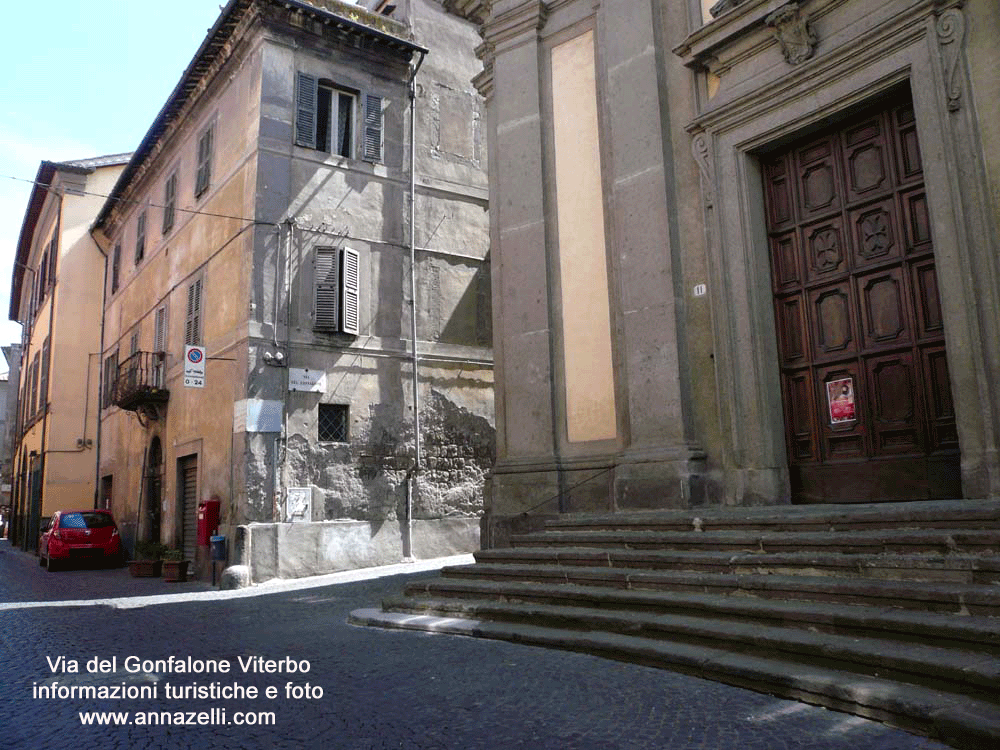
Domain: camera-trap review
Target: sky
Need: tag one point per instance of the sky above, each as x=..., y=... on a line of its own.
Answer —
x=84, y=78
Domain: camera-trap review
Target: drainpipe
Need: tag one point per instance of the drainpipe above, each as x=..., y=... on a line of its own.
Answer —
x=100, y=380
x=412, y=489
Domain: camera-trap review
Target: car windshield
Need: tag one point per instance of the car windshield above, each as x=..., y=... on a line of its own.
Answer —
x=85, y=521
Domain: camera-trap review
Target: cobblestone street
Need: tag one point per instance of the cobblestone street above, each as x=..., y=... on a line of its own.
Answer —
x=379, y=689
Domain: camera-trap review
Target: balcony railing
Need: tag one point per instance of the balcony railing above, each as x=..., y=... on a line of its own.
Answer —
x=141, y=380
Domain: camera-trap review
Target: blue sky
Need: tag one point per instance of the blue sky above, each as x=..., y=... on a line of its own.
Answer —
x=84, y=78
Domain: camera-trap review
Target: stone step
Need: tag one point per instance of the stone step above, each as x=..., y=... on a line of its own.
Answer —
x=939, y=541
x=975, y=514
x=971, y=673
x=928, y=596
x=956, y=719
x=967, y=633
x=952, y=567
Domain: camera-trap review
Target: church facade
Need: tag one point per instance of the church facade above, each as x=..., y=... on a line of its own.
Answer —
x=745, y=252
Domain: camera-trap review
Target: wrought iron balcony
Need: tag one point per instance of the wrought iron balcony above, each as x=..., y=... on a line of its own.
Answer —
x=140, y=381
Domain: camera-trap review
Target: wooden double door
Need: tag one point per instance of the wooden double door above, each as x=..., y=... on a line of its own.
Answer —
x=867, y=398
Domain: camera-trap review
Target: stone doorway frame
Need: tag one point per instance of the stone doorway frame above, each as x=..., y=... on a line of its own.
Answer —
x=926, y=55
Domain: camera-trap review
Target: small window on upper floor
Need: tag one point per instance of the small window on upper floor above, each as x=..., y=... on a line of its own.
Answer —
x=169, y=201
x=204, y=175
x=140, y=237
x=326, y=118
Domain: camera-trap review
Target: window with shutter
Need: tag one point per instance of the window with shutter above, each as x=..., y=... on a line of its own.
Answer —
x=159, y=346
x=306, y=101
x=169, y=200
x=325, y=308
x=43, y=376
x=110, y=377
x=204, y=175
x=43, y=276
x=34, y=384
x=53, y=252
x=192, y=324
x=373, y=128
x=160, y=329
x=140, y=237
x=325, y=117
x=350, y=267
x=116, y=262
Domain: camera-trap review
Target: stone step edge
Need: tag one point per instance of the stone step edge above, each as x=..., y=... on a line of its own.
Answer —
x=973, y=629
x=944, y=562
x=923, y=511
x=960, y=595
x=948, y=539
x=952, y=719
x=914, y=664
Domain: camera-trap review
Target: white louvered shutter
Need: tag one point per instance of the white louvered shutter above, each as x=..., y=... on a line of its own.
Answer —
x=325, y=310
x=372, y=150
x=159, y=346
x=160, y=330
x=306, y=94
x=350, y=298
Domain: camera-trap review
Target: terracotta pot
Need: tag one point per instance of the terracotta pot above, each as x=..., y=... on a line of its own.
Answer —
x=144, y=568
x=175, y=570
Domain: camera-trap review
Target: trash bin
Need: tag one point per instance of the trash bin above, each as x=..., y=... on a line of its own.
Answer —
x=218, y=548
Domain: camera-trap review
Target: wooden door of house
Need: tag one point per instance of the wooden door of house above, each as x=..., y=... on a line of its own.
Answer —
x=867, y=398
x=187, y=471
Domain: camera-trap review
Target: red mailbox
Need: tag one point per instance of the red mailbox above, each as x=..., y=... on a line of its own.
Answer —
x=208, y=519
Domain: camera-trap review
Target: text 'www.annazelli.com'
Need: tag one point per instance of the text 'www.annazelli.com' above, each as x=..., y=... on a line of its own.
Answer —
x=214, y=717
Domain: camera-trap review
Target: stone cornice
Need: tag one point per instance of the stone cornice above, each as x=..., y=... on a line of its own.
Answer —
x=899, y=31
x=508, y=25
x=476, y=11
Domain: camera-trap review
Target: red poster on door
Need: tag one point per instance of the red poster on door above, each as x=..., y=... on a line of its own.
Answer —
x=840, y=395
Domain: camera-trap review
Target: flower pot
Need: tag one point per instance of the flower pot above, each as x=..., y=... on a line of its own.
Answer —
x=175, y=570
x=144, y=568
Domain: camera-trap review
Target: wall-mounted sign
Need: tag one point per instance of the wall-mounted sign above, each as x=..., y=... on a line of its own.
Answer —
x=840, y=396
x=194, y=366
x=304, y=379
x=298, y=504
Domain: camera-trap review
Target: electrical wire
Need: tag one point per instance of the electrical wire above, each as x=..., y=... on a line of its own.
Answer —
x=123, y=201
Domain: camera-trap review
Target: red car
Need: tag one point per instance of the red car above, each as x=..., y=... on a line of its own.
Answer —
x=80, y=535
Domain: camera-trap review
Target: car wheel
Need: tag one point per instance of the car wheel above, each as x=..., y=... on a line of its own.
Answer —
x=50, y=564
x=41, y=559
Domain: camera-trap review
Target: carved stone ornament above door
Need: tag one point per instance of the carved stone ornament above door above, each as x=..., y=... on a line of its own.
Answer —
x=794, y=33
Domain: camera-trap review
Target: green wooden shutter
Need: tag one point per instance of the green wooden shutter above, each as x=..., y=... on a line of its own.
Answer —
x=372, y=150
x=140, y=237
x=350, y=265
x=169, y=196
x=192, y=324
x=116, y=262
x=204, y=176
x=306, y=95
x=325, y=308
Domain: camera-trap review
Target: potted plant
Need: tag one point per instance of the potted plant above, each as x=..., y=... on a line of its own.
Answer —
x=147, y=560
x=175, y=567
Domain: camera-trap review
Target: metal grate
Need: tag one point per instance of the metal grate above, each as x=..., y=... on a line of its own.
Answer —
x=332, y=423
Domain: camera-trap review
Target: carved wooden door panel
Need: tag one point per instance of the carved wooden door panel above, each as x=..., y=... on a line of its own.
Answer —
x=866, y=391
